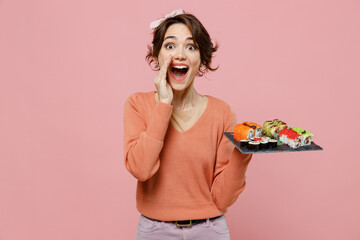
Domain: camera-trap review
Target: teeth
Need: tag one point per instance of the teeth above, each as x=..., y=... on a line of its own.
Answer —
x=179, y=67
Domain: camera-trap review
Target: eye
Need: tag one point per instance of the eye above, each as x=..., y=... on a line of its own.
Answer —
x=169, y=46
x=191, y=47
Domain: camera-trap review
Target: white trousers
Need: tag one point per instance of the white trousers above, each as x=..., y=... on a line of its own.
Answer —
x=216, y=229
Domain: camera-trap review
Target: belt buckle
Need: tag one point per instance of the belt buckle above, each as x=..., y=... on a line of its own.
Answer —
x=183, y=224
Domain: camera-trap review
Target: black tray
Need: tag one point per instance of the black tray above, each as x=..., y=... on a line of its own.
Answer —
x=280, y=147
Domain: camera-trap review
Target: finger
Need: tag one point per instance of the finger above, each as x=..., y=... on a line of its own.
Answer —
x=165, y=67
x=167, y=62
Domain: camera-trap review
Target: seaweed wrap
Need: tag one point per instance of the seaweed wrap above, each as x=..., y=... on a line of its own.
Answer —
x=264, y=144
x=244, y=143
x=254, y=146
x=272, y=143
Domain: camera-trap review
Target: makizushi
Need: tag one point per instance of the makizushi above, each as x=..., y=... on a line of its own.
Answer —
x=264, y=144
x=272, y=143
x=254, y=145
x=244, y=143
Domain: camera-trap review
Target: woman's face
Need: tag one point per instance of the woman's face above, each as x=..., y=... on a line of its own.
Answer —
x=186, y=60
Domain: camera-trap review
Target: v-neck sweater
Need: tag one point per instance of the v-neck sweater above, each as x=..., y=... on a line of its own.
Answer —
x=184, y=119
x=193, y=174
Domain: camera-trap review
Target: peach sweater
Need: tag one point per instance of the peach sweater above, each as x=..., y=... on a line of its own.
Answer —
x=193, y=174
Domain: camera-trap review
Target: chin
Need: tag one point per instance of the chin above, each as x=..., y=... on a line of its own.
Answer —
x=177, y=88
x=179, y=85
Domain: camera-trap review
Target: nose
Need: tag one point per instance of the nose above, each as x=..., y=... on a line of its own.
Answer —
x=180, y=54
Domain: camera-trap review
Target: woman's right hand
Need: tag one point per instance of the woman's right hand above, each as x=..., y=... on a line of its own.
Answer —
x=164, y=90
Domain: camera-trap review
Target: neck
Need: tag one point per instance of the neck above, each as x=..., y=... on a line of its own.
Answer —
x=187, y=99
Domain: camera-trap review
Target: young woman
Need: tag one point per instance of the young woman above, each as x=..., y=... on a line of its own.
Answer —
x=188, y=172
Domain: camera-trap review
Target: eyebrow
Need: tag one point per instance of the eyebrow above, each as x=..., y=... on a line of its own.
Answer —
x=173, y=37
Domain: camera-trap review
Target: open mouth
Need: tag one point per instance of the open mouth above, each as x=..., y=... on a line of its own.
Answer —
x=179, y=71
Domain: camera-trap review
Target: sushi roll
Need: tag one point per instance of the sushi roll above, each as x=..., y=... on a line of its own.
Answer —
x=264, y=144
x=273, y=131
x=268, y=129
x=244, y=143
x=254, y=146
x=282, y=126
x=267, y=123
x=272, y=143
x=291, y=138
x=279, y=122
x=307, y=136
x=273, y=127
x=243, y=132
x=257, y=128
x=258, y=132
x=265, y=138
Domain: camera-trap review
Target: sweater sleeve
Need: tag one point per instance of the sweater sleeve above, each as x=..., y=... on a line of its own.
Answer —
x=143, y=140
x=229, y=175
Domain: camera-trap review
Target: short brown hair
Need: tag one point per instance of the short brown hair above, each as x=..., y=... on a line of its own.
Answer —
x=201, y=39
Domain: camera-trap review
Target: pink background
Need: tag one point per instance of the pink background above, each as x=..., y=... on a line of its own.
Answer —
x=66, y=68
